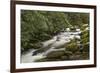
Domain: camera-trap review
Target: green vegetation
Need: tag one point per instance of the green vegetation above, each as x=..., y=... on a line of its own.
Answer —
x=85, y=38
x=72, y=46
x=39, y=26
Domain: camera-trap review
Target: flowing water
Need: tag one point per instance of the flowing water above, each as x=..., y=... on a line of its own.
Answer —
x=64, y=37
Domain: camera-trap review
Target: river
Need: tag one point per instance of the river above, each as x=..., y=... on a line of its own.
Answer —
x=58, y=40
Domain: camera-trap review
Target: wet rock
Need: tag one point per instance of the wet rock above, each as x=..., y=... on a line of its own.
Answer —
x=35, y=52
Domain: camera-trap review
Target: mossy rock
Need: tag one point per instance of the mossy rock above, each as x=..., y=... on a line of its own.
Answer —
x=75, y=57
x=68, y=52
x=55, y=54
